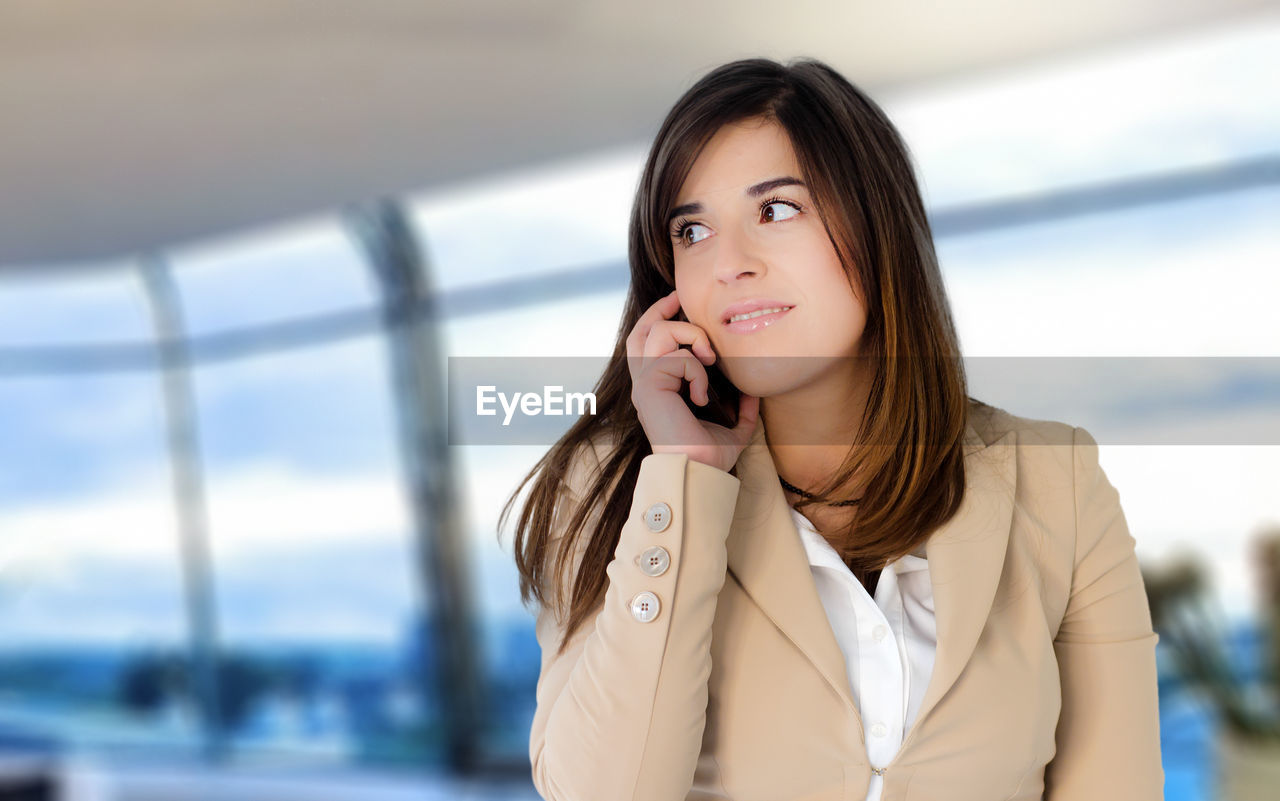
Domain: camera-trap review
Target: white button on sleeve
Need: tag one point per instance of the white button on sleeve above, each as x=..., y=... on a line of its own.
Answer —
x=644, y=606
x=654, y=561
x=658, y=517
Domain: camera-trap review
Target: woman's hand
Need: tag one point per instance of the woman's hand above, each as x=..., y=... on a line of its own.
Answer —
x=659, y=368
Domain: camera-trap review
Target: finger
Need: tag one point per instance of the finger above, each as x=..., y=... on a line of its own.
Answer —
x=663, y=374
x=681, y=365
x=663, y=308
x=660, y=310
x=748, y=416
x=667, y=335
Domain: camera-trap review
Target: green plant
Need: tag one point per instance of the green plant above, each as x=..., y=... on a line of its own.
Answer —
x=1184, y=614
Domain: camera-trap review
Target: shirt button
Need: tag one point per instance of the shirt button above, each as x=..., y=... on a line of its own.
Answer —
x=879, y=633
x=879, y=730
x=655, y=561
x=644, y=606
x=658, y=517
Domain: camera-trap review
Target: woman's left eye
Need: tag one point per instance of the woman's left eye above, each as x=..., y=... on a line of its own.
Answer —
x=777, y=210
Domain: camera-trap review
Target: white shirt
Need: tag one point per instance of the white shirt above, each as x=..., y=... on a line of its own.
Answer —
x=888, y=675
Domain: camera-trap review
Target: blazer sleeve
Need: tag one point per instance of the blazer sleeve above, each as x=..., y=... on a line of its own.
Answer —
x=620, y=714
x=1108, y=735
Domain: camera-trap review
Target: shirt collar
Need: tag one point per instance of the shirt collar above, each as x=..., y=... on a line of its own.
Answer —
x=821, y=554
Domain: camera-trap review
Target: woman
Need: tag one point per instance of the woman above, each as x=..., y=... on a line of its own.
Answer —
x=716, y=602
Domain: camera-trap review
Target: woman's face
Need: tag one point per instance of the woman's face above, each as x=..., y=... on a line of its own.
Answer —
x=745, y=231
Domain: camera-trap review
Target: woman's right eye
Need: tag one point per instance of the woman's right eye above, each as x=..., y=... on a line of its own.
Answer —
x=683, y=230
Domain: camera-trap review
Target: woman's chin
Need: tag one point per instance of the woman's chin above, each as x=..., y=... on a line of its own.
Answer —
x=765, y=376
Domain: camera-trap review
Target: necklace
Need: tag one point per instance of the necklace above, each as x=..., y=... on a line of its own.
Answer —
x=803, y=494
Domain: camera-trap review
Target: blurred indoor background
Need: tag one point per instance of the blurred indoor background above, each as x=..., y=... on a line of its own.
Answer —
x=239, y=242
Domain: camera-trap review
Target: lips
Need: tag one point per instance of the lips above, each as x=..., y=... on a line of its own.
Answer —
x=751, y=306
x=757, y=319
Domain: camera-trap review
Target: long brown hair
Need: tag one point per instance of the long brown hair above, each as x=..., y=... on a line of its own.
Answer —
x=860, y=173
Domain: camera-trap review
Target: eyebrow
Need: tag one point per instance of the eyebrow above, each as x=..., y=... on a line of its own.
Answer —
x=752, y=191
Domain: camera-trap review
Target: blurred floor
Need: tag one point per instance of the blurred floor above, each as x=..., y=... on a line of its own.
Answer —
x=85, y=782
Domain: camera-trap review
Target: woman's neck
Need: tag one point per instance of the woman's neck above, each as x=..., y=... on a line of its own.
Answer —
x=811, y=430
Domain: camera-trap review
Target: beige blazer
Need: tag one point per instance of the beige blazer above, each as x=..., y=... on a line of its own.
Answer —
x=1044, y=684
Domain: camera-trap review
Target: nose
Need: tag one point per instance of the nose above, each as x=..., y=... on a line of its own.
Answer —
x=736, y=256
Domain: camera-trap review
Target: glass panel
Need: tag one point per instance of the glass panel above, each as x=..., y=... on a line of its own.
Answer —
x=1187, y=278
x=314, y=560
x=282, y=273
x=1093, y=117
x=93, y=634
x=556, y=218
x=98, y=303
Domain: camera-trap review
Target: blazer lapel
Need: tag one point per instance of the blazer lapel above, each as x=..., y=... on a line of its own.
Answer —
x=966, y=556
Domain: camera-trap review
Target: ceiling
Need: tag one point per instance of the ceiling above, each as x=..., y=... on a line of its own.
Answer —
x=141, y=124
